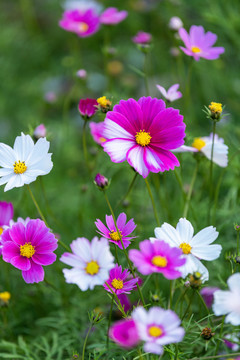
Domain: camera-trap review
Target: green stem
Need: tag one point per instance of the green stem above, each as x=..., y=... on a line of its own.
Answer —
x=109, y=320
x=186, y=207
x=86, y=339
x=190, y=302
x=146, y=75
x=176, y=353
x=188, y=84
x=211, y=172
x=216, y=356
x=129, y=190
x=124, y=250
x=180, y=298
x=153, y=203
x=237, y=242
x=206, y=308
x=117, y=300
x=172, y=286
x=220, y=336
x=85, y=143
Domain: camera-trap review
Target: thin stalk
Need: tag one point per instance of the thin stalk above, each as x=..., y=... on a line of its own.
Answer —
x=206, y=308
x=237, y=242
x=180, y=298
x=109, y=319
x=129, y=190
x=216, y=356
x=172, y=286
x=211, y=172
x=85, y=143
x=186, y=207
x=86, y=339
x=146, y=75
x=153, y=203
x=176, y=353
x=188, y=84
x=220, y=336
x=117, y=300
x=190, y=302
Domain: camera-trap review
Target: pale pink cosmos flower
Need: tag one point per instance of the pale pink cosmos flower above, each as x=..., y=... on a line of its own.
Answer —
x=96, y=130
x=118, y=281
x=40, y=131
x=124, y=333
x=83, y=22
x=171, y=94
x=144, y=133
x=157, y=257
x=175, y=23
x=6, y=215
x=142, y=38
x=82, y=74
x=110, y=232
x=111, y=16
x=200, y=44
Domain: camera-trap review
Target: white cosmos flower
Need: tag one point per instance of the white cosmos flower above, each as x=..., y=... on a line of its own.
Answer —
x=204, y=145
x=22, y=164
x=91, y=262
x=194, y=248
x=228, y=302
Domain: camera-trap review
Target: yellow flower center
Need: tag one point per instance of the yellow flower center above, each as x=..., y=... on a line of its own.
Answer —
x=215, y=107
x=117, y=283
x=19, y=167
x=155, y=331
x=5, y=296
x=198, y=143
x=92, y=268
x=1, y=230
x=195, y=49
x=186, y=248
x=27, y=250
x=103, y=101
x=143, y=138
x=159, y=261
x=83, y=27
x=114, y=235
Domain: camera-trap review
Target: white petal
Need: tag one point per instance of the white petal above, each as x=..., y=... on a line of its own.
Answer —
x=135, y=159
x=185, y=230
x=39, y=151
x=153, y=348
x=194, y=265
x=208, y=252
x=162, y=90
x=76, y=276
x=185, y=148
x=113, y=130
x=219, y=153
x=23, y=146
x=205, y=237
x=81, y=247
x=117, y=149
x=6, y=171
x=73, y=260
x=233, y=318
x=16, y=180
x=6, y=178
x=221, y=302
x=234, y=283
x=169, y=234
x=7, y=156
x=42, y=167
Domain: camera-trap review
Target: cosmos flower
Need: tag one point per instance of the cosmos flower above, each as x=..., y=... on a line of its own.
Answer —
x=28, y=248
x=40, y=131
x=172, y=93
x=96, y=130
x=118, y=281
x=50, y=97
x=83, y=22
x=25, y=162
x=124, y=333
x=142, y=38
x=6, y=214
x=143, y=132
x=194, y=248
x=207, y=294
x=232, y=345
x=204, y=145
x=87, y=107
x=91, y=262
x=157, y=257
x=200, y=44
x=82, y=74
x=228, y=302
x=110, y=232
x=157, y=327
x=111, y=16
x=101, y=181
x=175, y=23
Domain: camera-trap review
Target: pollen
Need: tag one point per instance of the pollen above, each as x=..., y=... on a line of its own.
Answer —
x=92, y=268
x=155, y=331
x=159, y=261
x=186, y=248
x=103, y=101
x=215, y=107
x=27, y=250
x=143, y=138
x=19, y=167
x=114, y=235
x=117, y=284
x=198, y=143
x=102, y=139
x=195, y=49
x=1, y=230
x=83, y=27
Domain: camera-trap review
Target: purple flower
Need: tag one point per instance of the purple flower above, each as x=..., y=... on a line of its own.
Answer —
x=82, y=74
x=101, y=181
x=87, y=107
x=200, y=44
x=29, y=247
x=172, y=93
x=82, y=22
x=232, y=345
x=207, y=294
x=118, y=281
x=142, y=38
x=110, y=232
x=157, y=257
x=143, y=132
x=6, y=214
x=124, y=333
x=40, y=131
x=111, y=16
x=96, y=130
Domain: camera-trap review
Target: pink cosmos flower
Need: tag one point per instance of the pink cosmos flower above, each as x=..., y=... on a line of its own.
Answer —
x=96, y=130
x=143, y=132
x=172, y=93
x=87, y=107
x=82, y=22
x=29, y=247
x=157, y=327
x=118, y=281
x=142, y=38
x=124, y=333
x=175, y=23
x=207, y=294
x=82, y=74
x=40, y=131
x=110, y=232
x=6, y=215
x=111, y=16
x=200, y=44
x=157, y=257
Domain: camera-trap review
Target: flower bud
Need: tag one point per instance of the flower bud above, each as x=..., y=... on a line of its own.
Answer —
x=195, y=280
x=104, y=104
x=215, y=111
x=40, y=131
x=87, y=108
x=4, y=298
x=207, y=333
x=101, y=182
x=175, y=23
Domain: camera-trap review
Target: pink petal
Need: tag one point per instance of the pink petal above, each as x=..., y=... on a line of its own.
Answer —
x=104, y=230
x=121, y=221
x=17, y=234
x=135, y=159
x=110, y=223
x=150, y=108
x=21, y=262
x=6, y=212
x=185, y=37
x=132, y=111
x=34, y=275
x=9, y=251
x=129, y=227
x=123, y=121
x=196, y=35
x=169, y=161
x=44, y=259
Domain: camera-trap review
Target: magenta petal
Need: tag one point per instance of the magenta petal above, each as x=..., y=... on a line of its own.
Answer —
x=102, y=228
x=132, y=111
x=167, y=158
x=6, y=212
x=44, y=259
x=121, y=221
x=122, y=121
x=129, y=227
x=34, y=275
x=146, y=248
x=21, y=262
x=110, y=223
x=185, y=37
x=17, y=234
x=9, y=251
x=150, y=108
x=135, y=159
x=140, y=262
x=35, y=231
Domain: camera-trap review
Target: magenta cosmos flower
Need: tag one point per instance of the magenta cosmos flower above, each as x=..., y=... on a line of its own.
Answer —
x=110, y=232
x=111, y=16
x=29, y=247
x=200, y=44
x=157, y=257
x=96, y=130
x=118, y=281
x=143, y=132
x=87, y=107
x=142, y=38
x=82, y=22
x=124, y=333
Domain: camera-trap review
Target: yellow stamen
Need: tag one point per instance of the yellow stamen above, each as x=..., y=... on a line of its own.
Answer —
x=117, y=283
x=27, y=250
x=195, y=49
x=198, y=143
x=103, y=101
x=215, y=107
x=186, y=248
x=1, y=230
x=155, y=331
x=19, y=167
x=5, y=296
x=143, y=138
x=92, y=268
x=83, y=27
x=114, y=235
x=102, y=139
x=159, y=261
